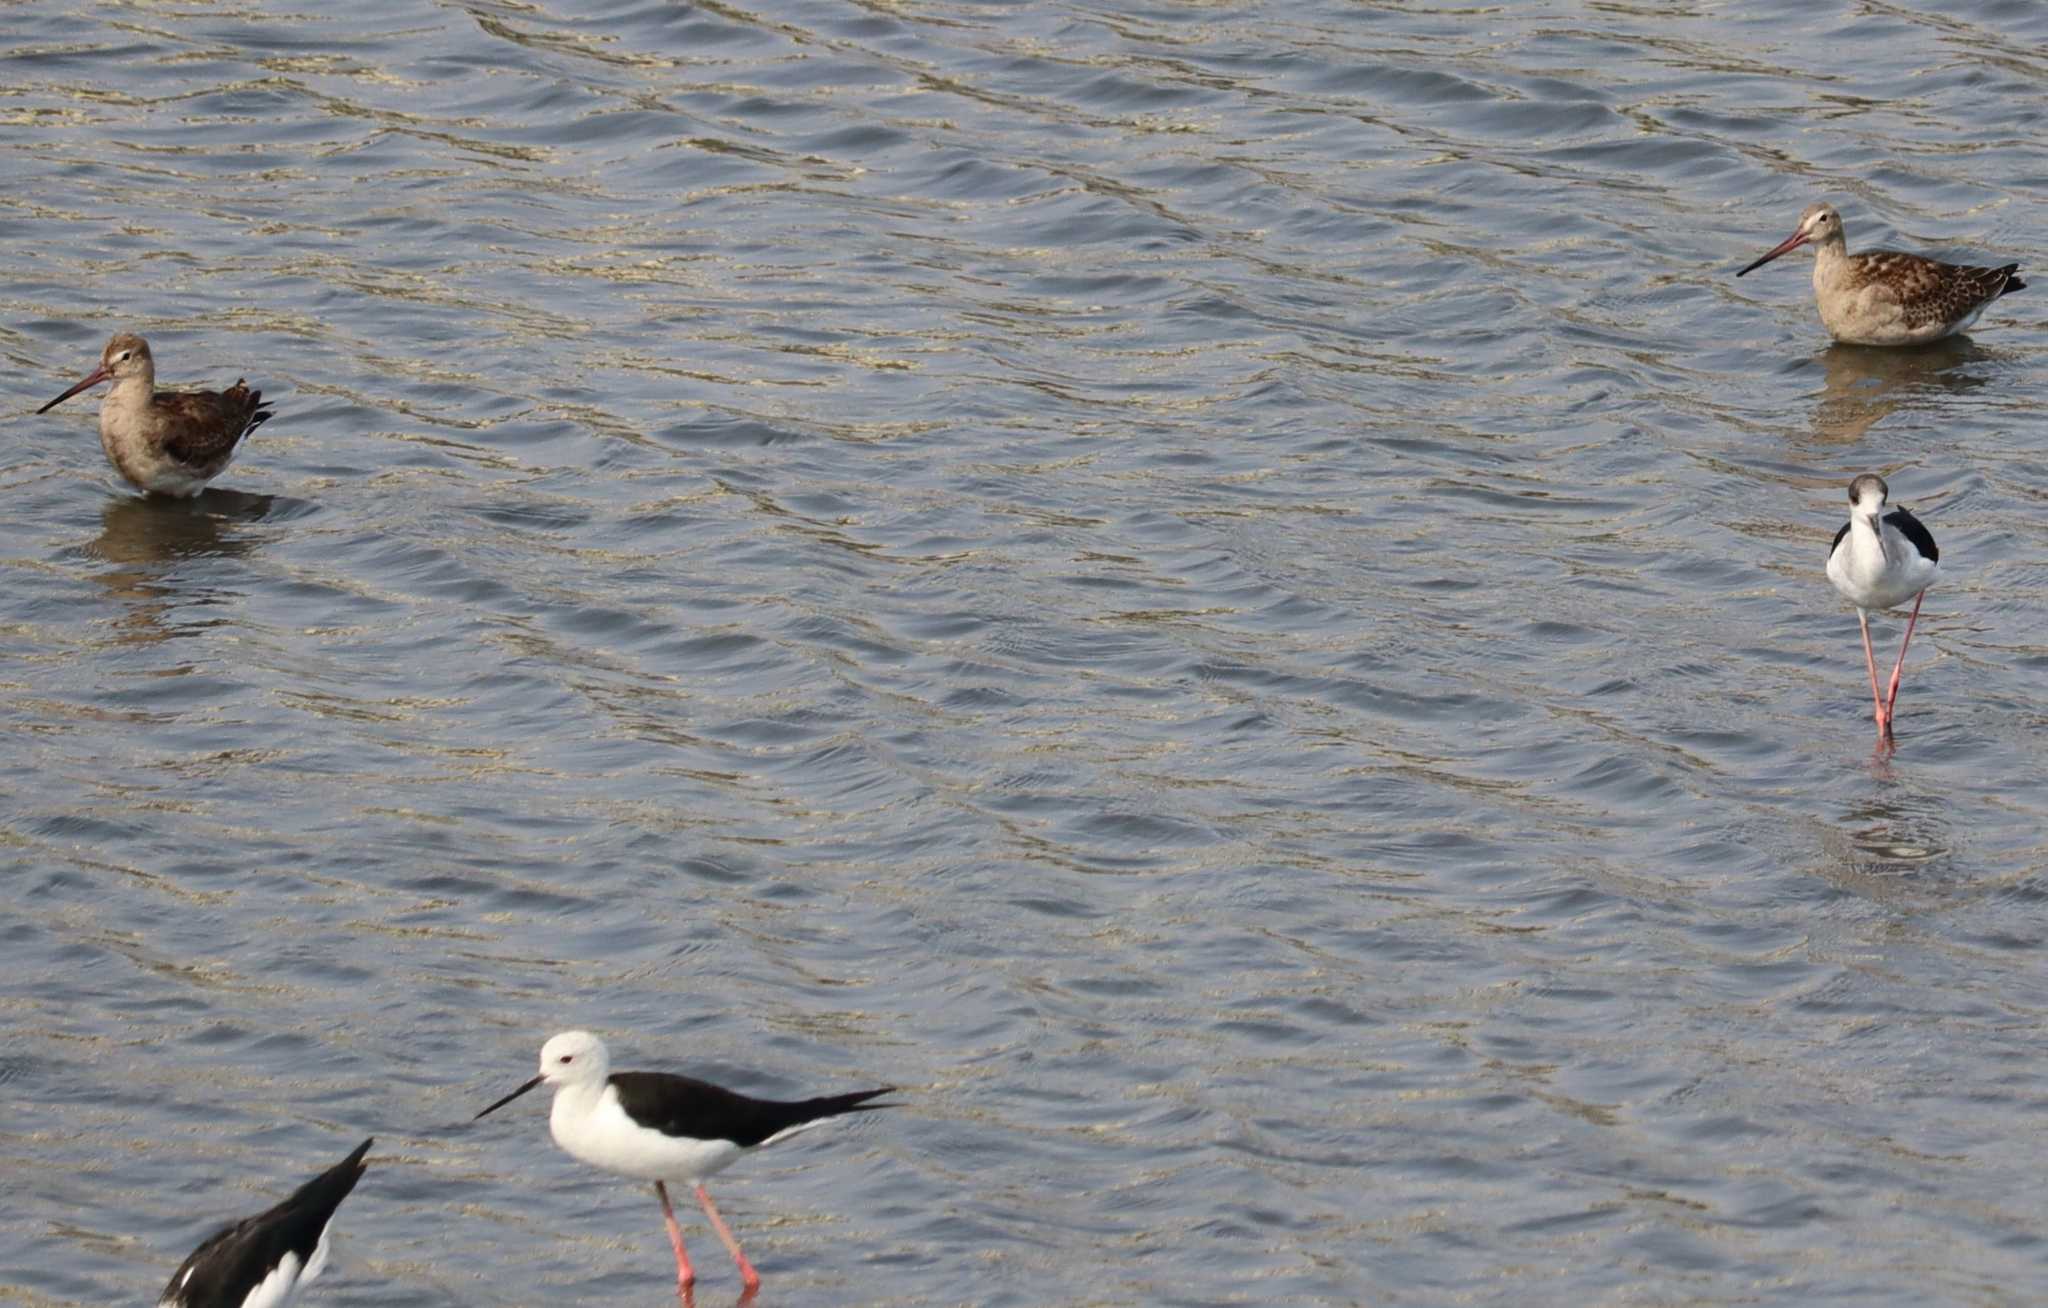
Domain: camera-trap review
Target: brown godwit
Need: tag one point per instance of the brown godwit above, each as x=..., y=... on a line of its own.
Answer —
x=1883, y=297
x=165, y=442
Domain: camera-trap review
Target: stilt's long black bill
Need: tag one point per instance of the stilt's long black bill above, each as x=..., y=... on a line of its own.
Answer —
x=509, y=1098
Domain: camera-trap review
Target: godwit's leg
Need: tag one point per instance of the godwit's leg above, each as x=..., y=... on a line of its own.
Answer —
x=748, y=1276
x=1884, y=726
x=1892, y=697
x=685, y=1277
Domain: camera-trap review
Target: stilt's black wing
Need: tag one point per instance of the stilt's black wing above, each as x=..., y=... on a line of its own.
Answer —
x=236, y=1259
x=1918, y=536
x=698, y=1110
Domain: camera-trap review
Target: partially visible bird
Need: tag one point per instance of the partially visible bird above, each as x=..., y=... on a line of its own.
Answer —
x=165, y=442
x=263, y=1261
x=1879, y=561
x=659, y=1127
x=1885, y=297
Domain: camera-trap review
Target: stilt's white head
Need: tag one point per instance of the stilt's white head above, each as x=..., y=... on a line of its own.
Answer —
x=577, y=1058
x=1867, y=495
x=569, y=1059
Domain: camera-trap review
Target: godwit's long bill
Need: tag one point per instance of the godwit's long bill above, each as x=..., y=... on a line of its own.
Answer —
x=660, y=1128
x=165, y=442
x=263, y=1261
x=1884, y=297
x=1879, y=561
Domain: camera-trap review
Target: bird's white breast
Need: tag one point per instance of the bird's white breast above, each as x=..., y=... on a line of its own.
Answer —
x=1870, y=577
x=590, y=1125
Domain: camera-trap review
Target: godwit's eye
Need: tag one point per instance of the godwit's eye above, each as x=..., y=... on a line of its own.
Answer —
x=121, y=356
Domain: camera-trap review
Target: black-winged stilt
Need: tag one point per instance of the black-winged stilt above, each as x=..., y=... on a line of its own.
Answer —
x=1879, y=561
x=262, y=1261
x=659, y=1127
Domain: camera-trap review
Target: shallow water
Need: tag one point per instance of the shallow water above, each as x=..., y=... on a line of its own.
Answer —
x=1229, y=595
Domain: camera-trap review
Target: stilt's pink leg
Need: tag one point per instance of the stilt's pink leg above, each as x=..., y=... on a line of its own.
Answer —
x=1878, y=709
x=748, y=1276
x=685, y=1277
x=1898, y=667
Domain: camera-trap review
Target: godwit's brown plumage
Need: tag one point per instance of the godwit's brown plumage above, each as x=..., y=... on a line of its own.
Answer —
x=1885, y=297
x=165, y=442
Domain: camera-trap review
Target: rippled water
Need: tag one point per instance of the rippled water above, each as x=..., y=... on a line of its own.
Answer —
x=1229, y=595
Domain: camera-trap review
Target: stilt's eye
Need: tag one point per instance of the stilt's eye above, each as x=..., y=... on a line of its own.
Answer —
x=566, y=1058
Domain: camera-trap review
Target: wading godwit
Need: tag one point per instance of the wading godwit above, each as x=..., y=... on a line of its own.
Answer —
x=1883, y=297
x=165, y=442
x=262, y=1261
x=1879, y=561
x=660, y=1128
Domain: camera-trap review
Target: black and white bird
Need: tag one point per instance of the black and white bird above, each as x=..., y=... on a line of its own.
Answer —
x=659, y=1127
x=1879, y=561
x=263, y=1261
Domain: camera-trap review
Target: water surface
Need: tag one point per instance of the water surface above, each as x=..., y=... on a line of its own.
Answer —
x=1230, y=595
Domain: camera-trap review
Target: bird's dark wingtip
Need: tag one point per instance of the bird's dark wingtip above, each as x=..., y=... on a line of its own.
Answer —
x=856, y=1102
x=349, y=1170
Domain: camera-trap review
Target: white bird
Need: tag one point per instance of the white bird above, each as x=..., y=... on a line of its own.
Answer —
x=263, y=1261
x=659, y=1127
x=1879, y=561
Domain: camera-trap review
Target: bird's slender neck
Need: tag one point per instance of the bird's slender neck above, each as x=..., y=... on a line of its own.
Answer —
x=578, y=1097
x=1866, y=530
x=1830, y=254
x=132, y=391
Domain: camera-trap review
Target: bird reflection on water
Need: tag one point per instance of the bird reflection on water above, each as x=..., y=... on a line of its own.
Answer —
x=1862, y=385
x=146, y=539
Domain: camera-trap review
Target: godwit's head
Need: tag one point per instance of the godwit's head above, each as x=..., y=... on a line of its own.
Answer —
x=126, y=357
x=1820, y=225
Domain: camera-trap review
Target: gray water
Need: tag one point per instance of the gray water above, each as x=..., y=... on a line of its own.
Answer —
x=1230, y=595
